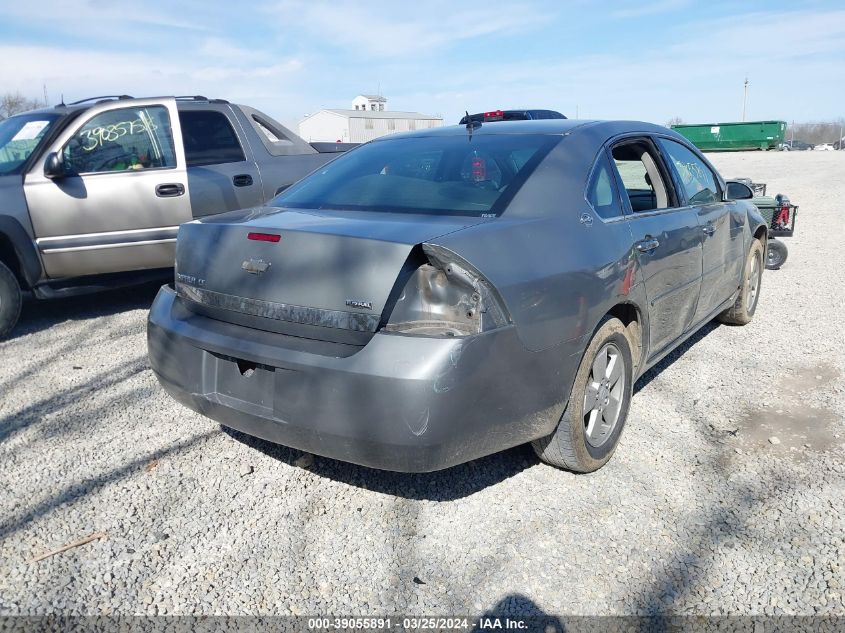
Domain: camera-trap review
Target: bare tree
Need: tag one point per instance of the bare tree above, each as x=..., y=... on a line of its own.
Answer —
x=675, y=120
x=817, y=132
x=14, y=102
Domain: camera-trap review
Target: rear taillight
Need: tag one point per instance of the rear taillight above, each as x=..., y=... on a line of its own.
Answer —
x=446, y=297
x=264, y=237
x=495, y=115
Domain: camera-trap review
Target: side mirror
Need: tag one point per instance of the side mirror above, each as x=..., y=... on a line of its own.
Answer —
x=738, y=191
x=53, y=166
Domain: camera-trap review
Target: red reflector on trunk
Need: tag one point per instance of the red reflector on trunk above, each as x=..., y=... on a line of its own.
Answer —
x=264, y=237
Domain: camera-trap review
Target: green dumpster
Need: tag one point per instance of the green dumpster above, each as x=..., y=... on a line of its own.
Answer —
x=724, y=137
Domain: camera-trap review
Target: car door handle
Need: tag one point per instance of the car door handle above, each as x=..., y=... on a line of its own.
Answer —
x=709, y=228
x=170, y=190
x=647, y=245
x=242, y=180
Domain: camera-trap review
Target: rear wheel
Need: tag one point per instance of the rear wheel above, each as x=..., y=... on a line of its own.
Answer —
x=592, y=422
x=742, y=311
x=10, y=300
x=776, y=254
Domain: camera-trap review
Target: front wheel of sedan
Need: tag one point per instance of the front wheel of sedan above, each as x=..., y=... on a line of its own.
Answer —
x=592, y=422
x=742, y=311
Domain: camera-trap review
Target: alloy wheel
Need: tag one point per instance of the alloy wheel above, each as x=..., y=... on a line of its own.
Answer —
x=753, y=284
x=604, y=395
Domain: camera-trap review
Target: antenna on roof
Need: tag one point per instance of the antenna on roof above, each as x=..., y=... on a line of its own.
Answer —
x=471, y=125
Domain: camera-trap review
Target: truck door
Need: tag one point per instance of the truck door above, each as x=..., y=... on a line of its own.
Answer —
x=667, y=241
x=120, y=194
x=221, y=172
x=721, y=226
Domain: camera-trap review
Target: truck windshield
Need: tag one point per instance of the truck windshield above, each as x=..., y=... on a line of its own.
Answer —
x=19, y=137
x=454, y=175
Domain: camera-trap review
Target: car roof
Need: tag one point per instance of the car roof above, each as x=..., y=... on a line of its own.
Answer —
x=542, y=126
x=181, y=102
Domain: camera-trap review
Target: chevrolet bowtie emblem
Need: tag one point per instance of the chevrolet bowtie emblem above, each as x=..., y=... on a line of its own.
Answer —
x=255, y=266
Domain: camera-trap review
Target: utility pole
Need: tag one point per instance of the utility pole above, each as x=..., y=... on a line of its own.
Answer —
x=792, y=136
x=744, y=99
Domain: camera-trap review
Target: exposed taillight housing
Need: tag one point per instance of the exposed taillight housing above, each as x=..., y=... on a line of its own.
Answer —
x=446, y=297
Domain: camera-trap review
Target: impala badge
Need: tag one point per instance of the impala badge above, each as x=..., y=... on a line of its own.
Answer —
x=363, y=305
x=255, y=266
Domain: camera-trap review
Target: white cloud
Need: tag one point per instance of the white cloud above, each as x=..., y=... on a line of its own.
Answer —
x=84, y=73
x=219, y=47
x=695, y=70
x=640, y=9
x=398, y=29
x=97, y=20
x=699, y=77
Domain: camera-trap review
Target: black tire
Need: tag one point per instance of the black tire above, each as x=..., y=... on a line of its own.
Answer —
x=569, y=447
x=776, y=254
x=10, y=300
x=742, y=311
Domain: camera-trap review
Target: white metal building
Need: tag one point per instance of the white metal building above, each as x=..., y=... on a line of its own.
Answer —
x=367, y=120
x=369, y=102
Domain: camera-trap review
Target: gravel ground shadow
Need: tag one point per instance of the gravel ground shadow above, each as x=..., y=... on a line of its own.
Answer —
x=37, y=315
x=674, y=355
x=76, y=491
x=444, y=485
x=521, y=608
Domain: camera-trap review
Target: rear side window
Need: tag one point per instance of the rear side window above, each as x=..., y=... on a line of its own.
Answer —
x=601, y=194
x=128, y=139
x=437, y=175
x=270, y=131
x=209, y=138
x=694, y=176
x=640, y=176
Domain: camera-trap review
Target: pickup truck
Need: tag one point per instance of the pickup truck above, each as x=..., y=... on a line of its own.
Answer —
x=92, y=193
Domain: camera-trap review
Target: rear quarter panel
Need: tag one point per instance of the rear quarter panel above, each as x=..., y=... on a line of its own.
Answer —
x=557, y=276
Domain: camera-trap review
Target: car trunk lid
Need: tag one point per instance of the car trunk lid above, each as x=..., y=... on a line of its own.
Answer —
x=321, y=275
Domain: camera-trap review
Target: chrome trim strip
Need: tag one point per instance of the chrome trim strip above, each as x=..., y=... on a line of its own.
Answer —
x=102, y=240
x=99, y=247
x=356, y=321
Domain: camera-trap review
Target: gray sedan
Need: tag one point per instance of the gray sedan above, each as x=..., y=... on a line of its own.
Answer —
x=432, y=297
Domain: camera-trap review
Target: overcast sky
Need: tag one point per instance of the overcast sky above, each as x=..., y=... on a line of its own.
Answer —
x=648, y=60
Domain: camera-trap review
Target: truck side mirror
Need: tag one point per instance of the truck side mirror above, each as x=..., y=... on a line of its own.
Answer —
x=738, y=191
x=53, y=167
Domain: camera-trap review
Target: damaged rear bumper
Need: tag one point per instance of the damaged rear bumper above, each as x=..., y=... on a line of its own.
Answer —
x=399, y=403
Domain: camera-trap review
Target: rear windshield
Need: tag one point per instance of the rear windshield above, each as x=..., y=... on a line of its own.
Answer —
x=456, y=175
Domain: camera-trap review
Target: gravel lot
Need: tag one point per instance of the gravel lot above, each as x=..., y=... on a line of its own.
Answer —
x=698, y=512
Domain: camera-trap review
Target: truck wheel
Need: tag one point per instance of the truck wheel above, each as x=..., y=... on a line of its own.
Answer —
x=10, y=300
x=742, y=311
x=592, y=422
x=776, y=254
